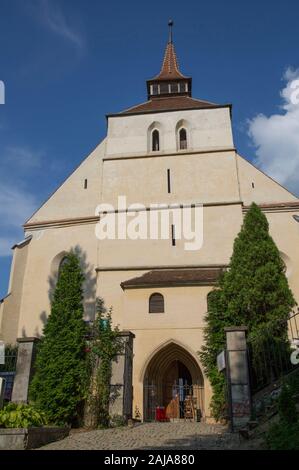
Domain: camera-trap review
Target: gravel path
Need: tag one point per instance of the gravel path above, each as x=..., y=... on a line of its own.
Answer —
x=180, y=435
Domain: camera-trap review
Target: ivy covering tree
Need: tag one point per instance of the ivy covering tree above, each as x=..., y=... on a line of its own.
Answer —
x=253, y=292
x=57, y=387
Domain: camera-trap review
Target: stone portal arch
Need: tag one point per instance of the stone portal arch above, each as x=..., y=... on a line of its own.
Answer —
x=170, y=376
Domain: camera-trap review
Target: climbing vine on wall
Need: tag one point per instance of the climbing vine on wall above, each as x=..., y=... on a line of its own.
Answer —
x=105, y=346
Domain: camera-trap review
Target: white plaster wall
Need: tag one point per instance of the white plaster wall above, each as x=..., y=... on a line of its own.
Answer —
x=205, y=178
x=209, y=128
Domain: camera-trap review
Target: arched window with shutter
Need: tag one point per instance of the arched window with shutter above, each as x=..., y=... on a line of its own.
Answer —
x=156, y=303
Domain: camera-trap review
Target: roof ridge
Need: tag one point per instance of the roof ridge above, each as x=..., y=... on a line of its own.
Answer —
x=134, y=106
x=200, y=100
x=169, y=103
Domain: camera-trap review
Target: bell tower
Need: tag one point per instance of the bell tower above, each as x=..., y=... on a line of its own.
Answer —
x=170, y=81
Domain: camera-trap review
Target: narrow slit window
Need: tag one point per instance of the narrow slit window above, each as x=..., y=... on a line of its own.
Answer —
x=85, y=184
x=252, y=184
x=168, y=182
x=183, y=139
x=173, y=235
x=155, y=141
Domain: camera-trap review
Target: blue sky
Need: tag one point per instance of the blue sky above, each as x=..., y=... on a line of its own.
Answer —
x=66, y=63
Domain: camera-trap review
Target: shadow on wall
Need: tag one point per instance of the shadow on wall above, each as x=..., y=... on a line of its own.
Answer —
x=89, y=289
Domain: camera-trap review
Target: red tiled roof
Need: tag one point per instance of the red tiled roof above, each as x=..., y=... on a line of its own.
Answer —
x=169, y=103
x=170, y=67
x=174, y=277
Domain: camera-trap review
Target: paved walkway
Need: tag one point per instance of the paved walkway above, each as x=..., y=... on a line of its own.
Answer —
x=178, y=436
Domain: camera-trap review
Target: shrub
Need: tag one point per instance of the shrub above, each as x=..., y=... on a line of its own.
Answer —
x=21, y=416
x=283, y=436
x=286, y=405
x=117, y=421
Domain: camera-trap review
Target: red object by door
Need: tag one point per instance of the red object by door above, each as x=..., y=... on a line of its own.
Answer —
x=160, y=413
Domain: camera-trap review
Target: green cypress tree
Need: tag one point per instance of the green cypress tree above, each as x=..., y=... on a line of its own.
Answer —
x=60, y=369
x=253, y=292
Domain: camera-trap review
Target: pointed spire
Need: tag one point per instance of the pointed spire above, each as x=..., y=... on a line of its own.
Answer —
x=170, y=66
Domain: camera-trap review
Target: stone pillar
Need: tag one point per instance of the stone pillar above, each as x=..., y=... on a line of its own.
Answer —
x=24, y=369
x=121, y=381
x=237, y=371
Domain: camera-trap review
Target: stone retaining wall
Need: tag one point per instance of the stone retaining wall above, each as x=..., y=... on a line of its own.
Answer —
x=30, y=438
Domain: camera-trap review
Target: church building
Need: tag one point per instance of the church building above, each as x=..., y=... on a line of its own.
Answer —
x=175, y=150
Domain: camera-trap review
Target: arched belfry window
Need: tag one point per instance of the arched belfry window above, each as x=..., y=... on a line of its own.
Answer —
x=182, y=139
x=183, y=134
x=155, y=140
x=156, y=303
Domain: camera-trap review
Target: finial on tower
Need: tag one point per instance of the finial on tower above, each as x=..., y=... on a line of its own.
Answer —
x=170, y=25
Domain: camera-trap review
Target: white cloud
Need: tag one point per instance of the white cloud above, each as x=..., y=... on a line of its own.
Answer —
x=55, y=20
x=276, y=138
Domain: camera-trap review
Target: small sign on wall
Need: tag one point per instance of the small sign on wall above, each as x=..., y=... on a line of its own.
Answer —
x=2, y=352
x=221, y=361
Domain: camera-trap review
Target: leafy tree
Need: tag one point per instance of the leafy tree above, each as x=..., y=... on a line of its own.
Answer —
x=57, y=387
x=254, y=292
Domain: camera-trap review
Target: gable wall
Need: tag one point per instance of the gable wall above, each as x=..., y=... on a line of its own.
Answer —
x=71, y=200
x=265, y=190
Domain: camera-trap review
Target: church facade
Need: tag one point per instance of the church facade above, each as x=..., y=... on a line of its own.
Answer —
x=172, y=150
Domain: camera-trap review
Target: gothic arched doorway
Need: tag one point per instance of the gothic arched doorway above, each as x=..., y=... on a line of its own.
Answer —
x=172, y=378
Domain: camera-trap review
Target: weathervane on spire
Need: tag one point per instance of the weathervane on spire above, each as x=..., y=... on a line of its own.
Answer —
x=170, y=25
